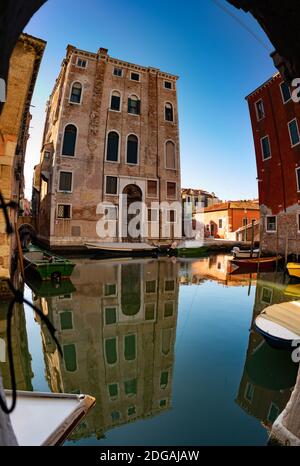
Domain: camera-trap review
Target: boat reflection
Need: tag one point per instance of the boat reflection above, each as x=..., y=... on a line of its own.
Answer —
x=269, y=374
x=117, y=332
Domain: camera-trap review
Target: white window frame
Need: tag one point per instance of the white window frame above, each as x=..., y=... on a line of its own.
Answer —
x=297, y=179
x=111, y=130
x=69, y=329
x=157, y=210
x=113, y=306
x=169, y=215
x=71, y=87
x=298, y=223
x=134, y=80
x=62, y=141
x=63, y=203
x=115, y=397
x=165, y=154
x=107, y=296
x=271, y=231
x=262, y=150
x=116, y=337
x=150, y=292
x=256, y=110
x=297, y=143
x=121, y=101
x=168, y=88
x=139, y=100
x=282, y=96
x=117, y=68
x=136, y=347
x=64, y=191
x=83, y=59
x=77, y=365
x=157, y=188
x=262, y=292
x=171, y=198
x=173, y=112
x=138, y=150
x=108, y=194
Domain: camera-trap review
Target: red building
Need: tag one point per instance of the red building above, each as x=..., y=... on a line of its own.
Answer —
x=275, y=121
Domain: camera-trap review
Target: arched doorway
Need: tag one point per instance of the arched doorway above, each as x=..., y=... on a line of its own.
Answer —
x=27, y=234
x=134, y=194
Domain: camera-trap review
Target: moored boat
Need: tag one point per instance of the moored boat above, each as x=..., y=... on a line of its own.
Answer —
x=48, y=266
x=279, y=324
x=244, y=253
x=293, y=269
x=122, y=249
x=257, y=264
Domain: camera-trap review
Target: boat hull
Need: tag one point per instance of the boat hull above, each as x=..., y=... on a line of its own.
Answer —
x=254, y=265
x=48, y=266
x=293, y=269
x=273, y=341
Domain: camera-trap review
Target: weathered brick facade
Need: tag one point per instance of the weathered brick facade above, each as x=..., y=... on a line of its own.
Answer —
x=277, y=172
x=14, y=124
x=95, y=119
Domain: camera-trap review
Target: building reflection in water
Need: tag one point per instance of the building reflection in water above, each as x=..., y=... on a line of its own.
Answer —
x=21, y=355
x=117, y=332
x=269, y=374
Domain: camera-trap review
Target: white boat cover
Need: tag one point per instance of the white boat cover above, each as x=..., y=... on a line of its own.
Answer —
x=285, y=314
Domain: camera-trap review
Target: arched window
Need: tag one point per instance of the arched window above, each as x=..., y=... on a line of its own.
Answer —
x=69, y=140
x=112, y=153
x=168, y=112
x=132, y=149
x=115, y=102
x=170, y=155
x=134, y=105
x=76, y=92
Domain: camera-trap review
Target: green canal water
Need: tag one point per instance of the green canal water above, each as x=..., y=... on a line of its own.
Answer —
x=166, y=348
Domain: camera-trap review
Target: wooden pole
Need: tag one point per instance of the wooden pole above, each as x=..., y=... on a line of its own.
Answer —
x=252, y=238
x=20, y=252
x=277, y=246
x=286, y=247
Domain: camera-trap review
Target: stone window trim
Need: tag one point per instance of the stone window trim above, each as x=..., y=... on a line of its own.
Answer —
x=169, y=219
x=112, y=306
x=61, y=312
x=171, y=88
x=282, y=95
x=138, y=99
x=154, y=311
x=165, y=154
x=72, y=183
x=83, y=60
x=153, y=209
x=135, y=80
x=138, y=150
x=117, y=350
x=131, y=334
x=121, y=101
x=71, y=89
x=297, y=169
x=166, y=103
x=157, y=188
x=115, y=397
x=64, y=203
x=105, y=178
x=116, y=75
x=264, y=301
x=172, y=197
x=62, y=140
x=110, y=295
x=76, y=353
x=264, y=159
x=112, y=130
x=258, y=117
x=290, y=134
x=271, y=216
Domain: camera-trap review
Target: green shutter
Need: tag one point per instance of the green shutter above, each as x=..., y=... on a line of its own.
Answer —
x=130, y=387
x=69, y=352
x=66, y=320
x=111, y=350
x=130, y=348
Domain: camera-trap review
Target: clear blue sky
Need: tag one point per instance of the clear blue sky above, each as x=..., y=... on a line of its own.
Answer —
x=218, y=61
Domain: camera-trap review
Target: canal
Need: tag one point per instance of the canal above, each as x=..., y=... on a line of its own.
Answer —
x=165, y=346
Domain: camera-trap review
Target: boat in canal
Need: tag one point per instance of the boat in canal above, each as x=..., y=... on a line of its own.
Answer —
x=293, y=269
x=48, y=288
x=47, y=419
x=279, y=324
x=262, y=264
x=244, y=253
x=47, y=265
x=122, y=249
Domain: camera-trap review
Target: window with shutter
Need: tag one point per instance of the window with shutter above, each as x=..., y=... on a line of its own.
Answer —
x=129, y=347
x=63, y=211
x=134, y=105
x=69, y=141
x=132, y=149
x=69, y=352
x=65, y=181
x=171, y=189
x=152, y=188
x=170, y=155
x=112, y=153
x=111, y=185
x=115, y=103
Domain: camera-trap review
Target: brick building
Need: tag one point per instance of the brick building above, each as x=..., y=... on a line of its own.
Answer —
x=111, y=128
x=223, y=220
x=274, y=118
x=14, y=127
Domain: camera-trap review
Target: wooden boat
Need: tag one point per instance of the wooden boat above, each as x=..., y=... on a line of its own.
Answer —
x=48, y=266
x=192, y=252
x=293, y=269
x=293, y=290
x=47, y=419
x=256, y=264
x=279, y=324
x=122, y=249
x=47, y=288
x=244, y=253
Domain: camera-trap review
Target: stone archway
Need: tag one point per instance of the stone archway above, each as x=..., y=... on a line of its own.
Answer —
x=27, y=234
x=134, y=194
